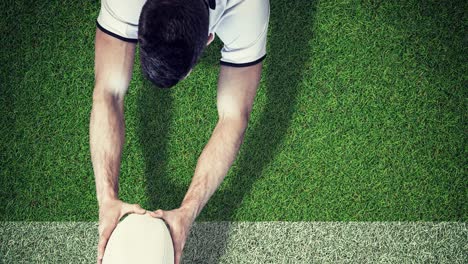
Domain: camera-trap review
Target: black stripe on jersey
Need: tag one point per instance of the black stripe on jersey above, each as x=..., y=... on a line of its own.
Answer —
x=242, y=64
x=115, y=35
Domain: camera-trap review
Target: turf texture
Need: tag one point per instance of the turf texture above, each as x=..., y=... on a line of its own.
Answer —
x=256, y=242
x=360, y=116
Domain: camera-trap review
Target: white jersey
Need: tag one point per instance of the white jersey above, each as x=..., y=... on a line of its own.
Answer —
x=242, y=26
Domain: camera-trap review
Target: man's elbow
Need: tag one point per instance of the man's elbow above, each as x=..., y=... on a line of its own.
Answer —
x=237, y=122
x=107, y=92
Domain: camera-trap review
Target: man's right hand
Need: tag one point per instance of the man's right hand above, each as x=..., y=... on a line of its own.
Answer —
x=110, y=213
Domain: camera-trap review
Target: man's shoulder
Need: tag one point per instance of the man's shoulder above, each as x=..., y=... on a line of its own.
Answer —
x=124, y=10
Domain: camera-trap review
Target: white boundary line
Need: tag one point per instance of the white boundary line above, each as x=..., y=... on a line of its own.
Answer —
x=256, y=242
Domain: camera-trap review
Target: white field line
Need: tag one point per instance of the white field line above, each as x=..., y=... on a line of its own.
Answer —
x=256, y=242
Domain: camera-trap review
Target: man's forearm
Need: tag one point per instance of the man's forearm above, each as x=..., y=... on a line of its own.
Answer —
x=214, y=163
x=106, y=140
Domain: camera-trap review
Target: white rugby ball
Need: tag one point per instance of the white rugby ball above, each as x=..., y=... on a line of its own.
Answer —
x=140, y=239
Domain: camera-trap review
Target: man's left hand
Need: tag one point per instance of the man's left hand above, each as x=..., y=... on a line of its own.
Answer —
x=180, y=221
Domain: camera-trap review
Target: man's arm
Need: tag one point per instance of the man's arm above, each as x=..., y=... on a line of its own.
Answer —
x=236, y=92
x=113, y=69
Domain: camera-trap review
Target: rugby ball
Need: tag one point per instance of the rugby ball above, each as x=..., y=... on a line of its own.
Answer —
x=140, y=239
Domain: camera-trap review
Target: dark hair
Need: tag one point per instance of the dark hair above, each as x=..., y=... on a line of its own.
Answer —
x=172, y=35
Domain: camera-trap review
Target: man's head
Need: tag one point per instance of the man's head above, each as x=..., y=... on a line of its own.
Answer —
x=172, y=35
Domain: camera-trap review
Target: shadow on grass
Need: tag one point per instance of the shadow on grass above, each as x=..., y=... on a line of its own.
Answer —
x=155, y=114
x=287, y=55
x=290, y=32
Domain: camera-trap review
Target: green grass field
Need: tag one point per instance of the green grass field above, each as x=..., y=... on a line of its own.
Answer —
x=361, y=115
